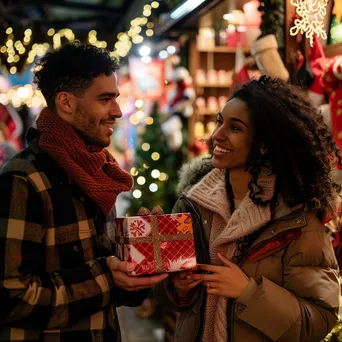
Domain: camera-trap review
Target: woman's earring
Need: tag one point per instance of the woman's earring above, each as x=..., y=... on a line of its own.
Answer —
x=263, y=151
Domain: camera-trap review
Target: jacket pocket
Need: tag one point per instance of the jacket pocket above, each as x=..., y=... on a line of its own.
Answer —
x=73, y=244
x=73, y=233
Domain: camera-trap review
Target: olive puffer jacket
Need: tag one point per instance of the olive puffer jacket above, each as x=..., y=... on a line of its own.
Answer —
x=294, y=290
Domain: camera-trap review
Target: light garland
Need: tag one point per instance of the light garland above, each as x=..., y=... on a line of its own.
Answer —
x=133, y=35
x=15, y=49
x=25, y=95
x=14, y=57
x=312, y=13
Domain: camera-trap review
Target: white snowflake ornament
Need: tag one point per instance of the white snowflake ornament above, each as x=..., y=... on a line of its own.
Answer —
x=312, y=13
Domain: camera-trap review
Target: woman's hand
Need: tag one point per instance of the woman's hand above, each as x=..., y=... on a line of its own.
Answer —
x=183, y=282
x=227, y=281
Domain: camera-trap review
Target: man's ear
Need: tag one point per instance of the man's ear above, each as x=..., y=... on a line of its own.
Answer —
x=65, y=103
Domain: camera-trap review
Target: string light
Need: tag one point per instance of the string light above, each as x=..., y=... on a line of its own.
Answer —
x=134, y=171
x=143, y=21
x=134, y=120
x=155, y=156
x=163, y=177
x=139, y=103
x=139, y=114
x=171, y=49
x=137, y=193
x=141, y=180
x=153, y=187
x=149, y=33
x=138, y=39
x=155, y=174
x=163, y=54
x=149, y=121
x=145, y=147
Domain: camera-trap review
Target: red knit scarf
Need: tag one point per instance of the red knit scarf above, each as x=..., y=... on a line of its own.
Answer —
x=94, y=169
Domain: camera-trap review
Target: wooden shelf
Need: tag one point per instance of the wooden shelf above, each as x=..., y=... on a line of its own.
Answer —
x=333, y=50
x=223, y=49
x=214, y=85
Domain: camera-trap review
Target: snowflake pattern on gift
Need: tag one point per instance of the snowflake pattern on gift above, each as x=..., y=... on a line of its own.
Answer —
x=180, y=264
x=137, y=228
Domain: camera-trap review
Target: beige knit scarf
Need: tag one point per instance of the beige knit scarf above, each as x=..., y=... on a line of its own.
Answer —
x=226, y=229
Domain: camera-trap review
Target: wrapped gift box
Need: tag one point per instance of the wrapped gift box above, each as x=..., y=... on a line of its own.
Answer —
x=156, y=243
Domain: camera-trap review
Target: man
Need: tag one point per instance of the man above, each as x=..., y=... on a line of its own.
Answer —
x=58, y=278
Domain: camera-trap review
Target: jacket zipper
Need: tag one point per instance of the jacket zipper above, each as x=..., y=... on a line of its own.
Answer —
x=199, y=335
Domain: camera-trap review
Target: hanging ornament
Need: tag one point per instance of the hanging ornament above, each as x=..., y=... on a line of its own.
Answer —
x=337, y=10
x=311, y=13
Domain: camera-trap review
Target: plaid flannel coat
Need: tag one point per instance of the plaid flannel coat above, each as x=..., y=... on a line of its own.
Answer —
x=55, y=284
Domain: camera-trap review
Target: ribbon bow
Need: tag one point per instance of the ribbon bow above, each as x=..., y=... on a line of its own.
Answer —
x=155, y=211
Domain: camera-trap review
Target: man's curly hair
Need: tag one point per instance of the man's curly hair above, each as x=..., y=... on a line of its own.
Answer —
x=71, y=68
x=298, y=144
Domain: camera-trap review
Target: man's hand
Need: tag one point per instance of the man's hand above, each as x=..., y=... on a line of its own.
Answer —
x=227, y=281
x=128, y=283
x=183, y=283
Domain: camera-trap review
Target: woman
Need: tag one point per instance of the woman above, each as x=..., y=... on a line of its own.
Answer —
x=267, y=268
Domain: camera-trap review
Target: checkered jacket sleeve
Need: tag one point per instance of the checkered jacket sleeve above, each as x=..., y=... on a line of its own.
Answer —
x=30, y=299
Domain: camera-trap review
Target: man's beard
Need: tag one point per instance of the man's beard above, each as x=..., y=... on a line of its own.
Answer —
x=85, y=126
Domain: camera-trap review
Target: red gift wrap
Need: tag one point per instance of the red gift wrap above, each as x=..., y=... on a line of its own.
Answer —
x=156, y=243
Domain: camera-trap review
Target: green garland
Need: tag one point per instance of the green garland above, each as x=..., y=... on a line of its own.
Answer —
x=273, y=20
x=335, y=28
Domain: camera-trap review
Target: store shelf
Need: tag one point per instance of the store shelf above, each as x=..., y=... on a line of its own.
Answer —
x=214, y=85
x=207, y=112
x=223, y=49
x=333, y=50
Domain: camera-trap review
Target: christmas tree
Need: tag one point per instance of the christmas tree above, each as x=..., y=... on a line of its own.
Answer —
x=154, y=173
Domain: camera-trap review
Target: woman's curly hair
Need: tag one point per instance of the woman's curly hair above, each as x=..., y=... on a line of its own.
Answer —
x=297, y=144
